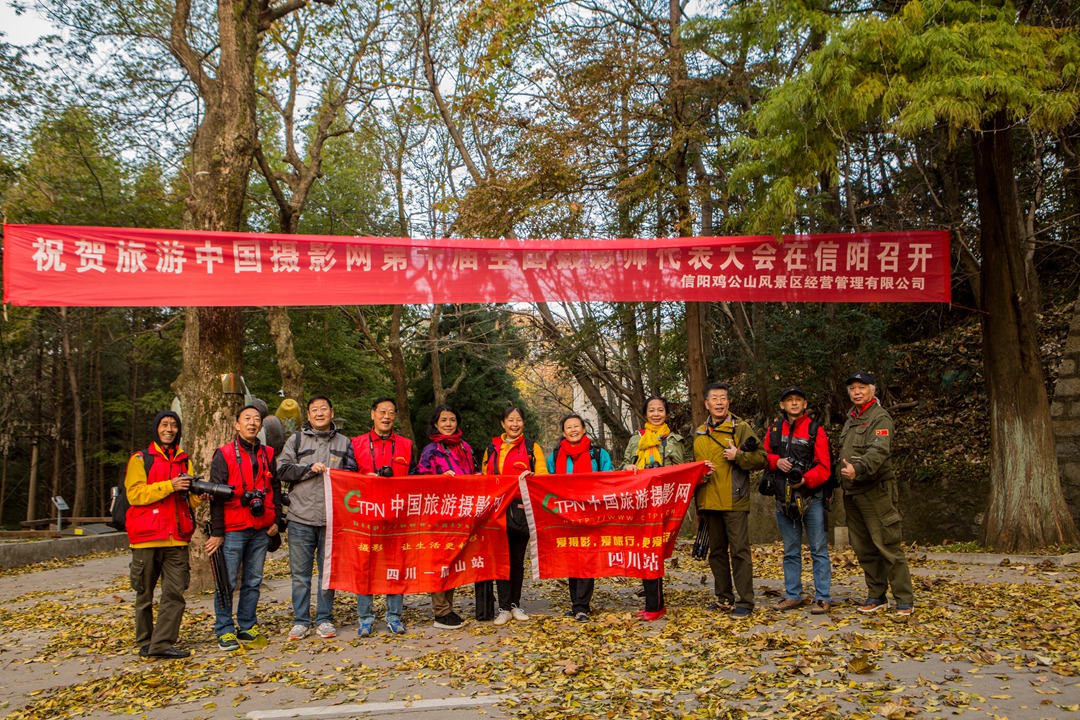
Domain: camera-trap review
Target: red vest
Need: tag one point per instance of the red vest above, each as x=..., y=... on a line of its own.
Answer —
x=372, y=452
x=237, y=515
x=170, y=517
x=517, y=459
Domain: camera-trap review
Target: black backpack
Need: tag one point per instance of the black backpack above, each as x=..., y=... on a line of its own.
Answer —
x=120, y=503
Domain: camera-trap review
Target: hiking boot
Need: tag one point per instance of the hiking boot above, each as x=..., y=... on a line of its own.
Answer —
x=449, y=621
x=518, y=613
x=904, y=609
x=366, y=628
x=395, y=626
x=299, y=632
x=821, y=607
x=789, y=604
x=741, y=611
x=326, y=630
x=569, y=614
x=503, y=617
x=250, y=635
x=227, y=642
x=873, y=605
x=582, y=617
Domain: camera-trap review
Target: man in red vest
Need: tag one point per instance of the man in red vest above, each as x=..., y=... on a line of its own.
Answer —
x=159, y=524
x=241, y=527
x=382, y=452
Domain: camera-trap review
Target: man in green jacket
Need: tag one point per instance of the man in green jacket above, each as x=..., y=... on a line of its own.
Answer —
x=723, y=500
x=870, y=495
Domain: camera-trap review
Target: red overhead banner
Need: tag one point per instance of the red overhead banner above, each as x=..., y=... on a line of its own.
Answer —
x=124, y=267
x=415, y=534
x=612, y=524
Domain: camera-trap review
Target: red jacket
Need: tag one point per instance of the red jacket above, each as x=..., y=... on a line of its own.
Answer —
x=373, y=451
x=158, y=516
x=799, y=447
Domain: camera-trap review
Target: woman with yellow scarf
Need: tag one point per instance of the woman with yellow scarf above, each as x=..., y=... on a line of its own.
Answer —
x=654, y=446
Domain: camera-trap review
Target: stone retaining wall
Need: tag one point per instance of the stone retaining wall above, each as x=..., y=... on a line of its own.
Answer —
x=27, y=553
x=1065, y=410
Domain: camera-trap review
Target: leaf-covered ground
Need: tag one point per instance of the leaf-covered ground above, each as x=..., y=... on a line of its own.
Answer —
x=985, y=642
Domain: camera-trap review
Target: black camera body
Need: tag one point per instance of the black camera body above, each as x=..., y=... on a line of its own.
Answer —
x=253, y=501
x=384, y=471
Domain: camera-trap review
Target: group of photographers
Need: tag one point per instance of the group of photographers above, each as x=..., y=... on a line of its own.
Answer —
x=247, y=515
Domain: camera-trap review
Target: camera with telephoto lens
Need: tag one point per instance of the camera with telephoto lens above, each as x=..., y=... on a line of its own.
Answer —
x=795, y=474
x=652, y=464
x=200, y=486
x=253, y=501
x=384, y=471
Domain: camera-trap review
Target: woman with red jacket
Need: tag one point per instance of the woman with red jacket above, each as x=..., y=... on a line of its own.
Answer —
x=510, y=454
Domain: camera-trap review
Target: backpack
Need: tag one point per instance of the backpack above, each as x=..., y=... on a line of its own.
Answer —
x=120, y=503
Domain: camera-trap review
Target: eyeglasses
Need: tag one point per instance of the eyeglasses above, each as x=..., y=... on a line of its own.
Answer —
x=386, y=413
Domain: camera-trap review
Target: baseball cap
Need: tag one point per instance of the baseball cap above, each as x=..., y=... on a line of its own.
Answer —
x=862, y=377
x=793, y=390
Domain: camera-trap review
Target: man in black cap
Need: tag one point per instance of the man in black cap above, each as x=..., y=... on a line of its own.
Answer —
x=159, y=524
x=798, y=470
x=870, y=495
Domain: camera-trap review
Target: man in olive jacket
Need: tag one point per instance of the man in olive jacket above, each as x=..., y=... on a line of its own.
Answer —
x=723, y=500
x=870, y=495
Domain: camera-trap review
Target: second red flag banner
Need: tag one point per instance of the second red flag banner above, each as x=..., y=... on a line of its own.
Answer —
x=428, y=533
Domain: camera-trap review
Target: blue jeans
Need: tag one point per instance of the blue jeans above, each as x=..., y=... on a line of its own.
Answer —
x=306, y=543
x=815, y=520
x=247, y=548
x=365, y=612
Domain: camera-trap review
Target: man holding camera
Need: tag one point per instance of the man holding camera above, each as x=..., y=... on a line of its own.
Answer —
x=160, y=523
x=383, y=453
x=304, y=459
x=242, y=525
x=797, y=453
x=870, y=495
x=730, y=447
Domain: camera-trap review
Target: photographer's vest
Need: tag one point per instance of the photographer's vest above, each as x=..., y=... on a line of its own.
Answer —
x=169, y=518
x=372, y=451
x=795, y=444
x=248, y=474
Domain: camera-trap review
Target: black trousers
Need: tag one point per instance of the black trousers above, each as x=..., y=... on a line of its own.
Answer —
x=654, y=594
x=581, y=590
x=509, y=590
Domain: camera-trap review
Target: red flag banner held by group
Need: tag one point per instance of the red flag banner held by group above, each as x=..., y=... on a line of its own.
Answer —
x=127, y=267
x=621, y=524
x=415, y=534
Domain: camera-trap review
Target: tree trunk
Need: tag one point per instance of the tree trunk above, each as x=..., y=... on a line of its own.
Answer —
x=292, y=370
x=397, y=371
x=78, y=507
x=1027, y=508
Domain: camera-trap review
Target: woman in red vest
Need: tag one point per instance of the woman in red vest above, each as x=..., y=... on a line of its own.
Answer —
x=510, y=454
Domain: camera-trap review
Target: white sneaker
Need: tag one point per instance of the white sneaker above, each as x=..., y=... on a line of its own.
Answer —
x=299, y=632
x=503, y=617
x=326, y=630
x=518, y=613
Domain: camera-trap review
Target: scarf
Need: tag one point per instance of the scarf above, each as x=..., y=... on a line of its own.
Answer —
x=649, y=444
x=858, y=411
x=454, y=451
x=578, y=453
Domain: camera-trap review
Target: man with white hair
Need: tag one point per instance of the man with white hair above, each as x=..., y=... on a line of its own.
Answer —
x=870, y=495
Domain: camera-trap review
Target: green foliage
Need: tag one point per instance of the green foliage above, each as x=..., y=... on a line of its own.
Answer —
x=935, y=62
x=480, y=342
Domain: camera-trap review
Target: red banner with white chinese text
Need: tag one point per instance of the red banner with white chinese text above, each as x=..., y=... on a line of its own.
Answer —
x=126, y=267
x=415, y=534
x=620, y=524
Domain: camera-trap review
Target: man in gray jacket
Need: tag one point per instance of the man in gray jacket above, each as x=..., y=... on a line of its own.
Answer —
x=303, y=462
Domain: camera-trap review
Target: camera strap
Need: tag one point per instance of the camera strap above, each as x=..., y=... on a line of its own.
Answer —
x=371, y=448
x=256, y=466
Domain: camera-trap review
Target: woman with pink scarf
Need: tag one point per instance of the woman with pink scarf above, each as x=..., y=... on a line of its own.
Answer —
x=446, y=454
